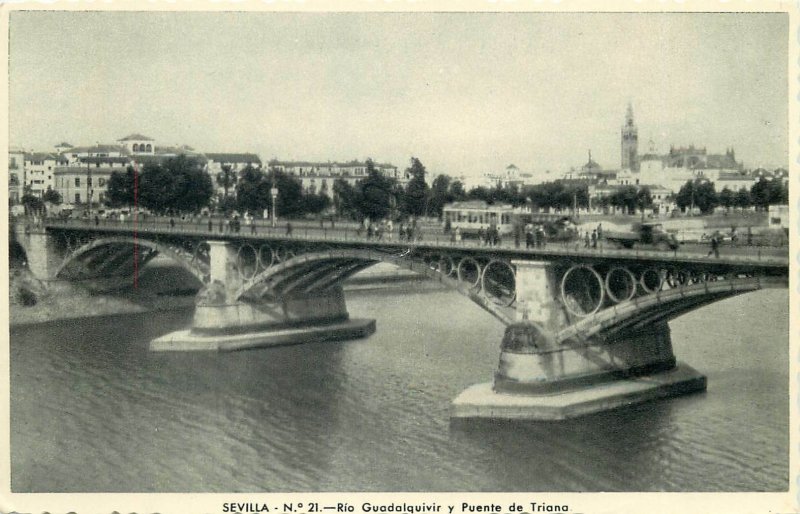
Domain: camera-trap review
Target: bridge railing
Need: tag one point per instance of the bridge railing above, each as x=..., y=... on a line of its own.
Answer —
x=350, y=233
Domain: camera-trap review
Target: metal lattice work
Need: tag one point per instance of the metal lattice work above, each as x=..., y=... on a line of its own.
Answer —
x=103, y=257
x=611, y=301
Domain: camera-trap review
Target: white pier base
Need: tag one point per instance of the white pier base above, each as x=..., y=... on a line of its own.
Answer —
x=187, y=341
x=481, y=401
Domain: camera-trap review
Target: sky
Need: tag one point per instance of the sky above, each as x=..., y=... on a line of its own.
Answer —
x=466, y=93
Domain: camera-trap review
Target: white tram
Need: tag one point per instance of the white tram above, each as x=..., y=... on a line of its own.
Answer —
x=473, y=215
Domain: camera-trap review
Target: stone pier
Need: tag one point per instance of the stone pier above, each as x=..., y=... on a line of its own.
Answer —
x=539, y=379
x=223, y=322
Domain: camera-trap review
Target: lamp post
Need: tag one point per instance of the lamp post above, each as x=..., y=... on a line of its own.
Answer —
x=88, y=184
x=274, y=193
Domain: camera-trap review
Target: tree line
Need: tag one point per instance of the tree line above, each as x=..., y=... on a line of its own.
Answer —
x=180, y=184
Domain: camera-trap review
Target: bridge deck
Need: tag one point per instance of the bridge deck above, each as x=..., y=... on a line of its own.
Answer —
x=760, y=257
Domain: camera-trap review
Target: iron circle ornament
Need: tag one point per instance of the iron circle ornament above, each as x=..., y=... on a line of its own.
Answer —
x=487, y=284
x=569, y=300
x=266, y=256
x=630, y=283
x=462, y=271
x=447, y=265
x=648, y=284
x=242, y=265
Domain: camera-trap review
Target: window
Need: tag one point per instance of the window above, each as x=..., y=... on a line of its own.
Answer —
x=89, y=181
x=77, y=198
x=77, y=182
x=135, y=147
x=149, y=148
x=101, y=182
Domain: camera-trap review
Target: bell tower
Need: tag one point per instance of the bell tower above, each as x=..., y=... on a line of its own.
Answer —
x=630, y=142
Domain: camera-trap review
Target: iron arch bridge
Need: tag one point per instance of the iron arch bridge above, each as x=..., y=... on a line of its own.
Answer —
x=597, y=295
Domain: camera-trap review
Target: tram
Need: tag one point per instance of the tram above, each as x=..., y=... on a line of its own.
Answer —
x=472, y=216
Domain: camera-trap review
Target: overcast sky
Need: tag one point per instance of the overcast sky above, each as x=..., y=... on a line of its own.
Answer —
x=466, y=93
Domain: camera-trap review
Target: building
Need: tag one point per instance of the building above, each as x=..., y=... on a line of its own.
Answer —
x=137, y=144
x=318, y=177
x=237, y=162
x=38, y=171
x=16, y=174
x=76, y=184
x=629, y=142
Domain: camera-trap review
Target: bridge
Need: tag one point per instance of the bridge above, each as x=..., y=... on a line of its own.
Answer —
x=576, y=316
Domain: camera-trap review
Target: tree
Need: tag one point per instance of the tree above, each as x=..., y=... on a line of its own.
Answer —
x=32, y=203
x=626, y=198
x=346, y=199
x=743, y=199
x=697, y=193
x=480, y=193
x=644, y=199
x=416, y=190
x=377, y=194
x=314, y=203
x=226, y=178
x=253, y=191
x=177, y=185
x=769, y=192
x=193, y=187
x=52, y=196
x=727, y=199
x=120, y=188
x=456, y=191
x=439, y=195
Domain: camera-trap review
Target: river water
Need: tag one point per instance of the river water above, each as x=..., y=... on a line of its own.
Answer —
x=92, y=410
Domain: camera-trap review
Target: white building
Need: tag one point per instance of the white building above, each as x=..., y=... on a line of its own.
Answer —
x=39, y=169
x=137, y=144
x=236, y=161
x=319, y=177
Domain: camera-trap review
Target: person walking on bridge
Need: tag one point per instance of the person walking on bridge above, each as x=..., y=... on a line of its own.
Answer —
x=288, y=229
x=714, y=245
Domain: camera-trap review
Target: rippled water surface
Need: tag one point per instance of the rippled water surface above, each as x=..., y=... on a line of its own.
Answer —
x=93, y=410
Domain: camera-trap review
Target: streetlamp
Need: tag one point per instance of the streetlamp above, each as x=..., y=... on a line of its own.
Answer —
x=274, y=193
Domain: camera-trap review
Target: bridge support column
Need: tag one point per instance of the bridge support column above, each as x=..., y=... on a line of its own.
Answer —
x=42, y=257
x=224, y=322
x=539, y=378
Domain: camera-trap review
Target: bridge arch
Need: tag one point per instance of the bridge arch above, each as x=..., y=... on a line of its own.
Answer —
x=664, y=305
x=118, y=253
x=310, y=273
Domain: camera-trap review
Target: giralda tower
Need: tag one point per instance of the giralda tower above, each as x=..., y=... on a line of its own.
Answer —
x=630, y=142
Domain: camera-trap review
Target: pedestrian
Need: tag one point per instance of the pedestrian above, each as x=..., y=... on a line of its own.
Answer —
x=517, y=237
x=594, y=239
x=171, y=223
x=221, y=225
x=96, y=220
x=210, y=224
x=529, y=239
x=369, y=231
x=401, y=232
x=586, y=239
x=714, y=246
x=288, y=229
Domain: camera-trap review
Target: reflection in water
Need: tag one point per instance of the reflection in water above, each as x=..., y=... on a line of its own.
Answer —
x=93, y=410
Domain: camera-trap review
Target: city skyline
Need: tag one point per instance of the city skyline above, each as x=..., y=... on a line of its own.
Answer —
x=465, y=93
